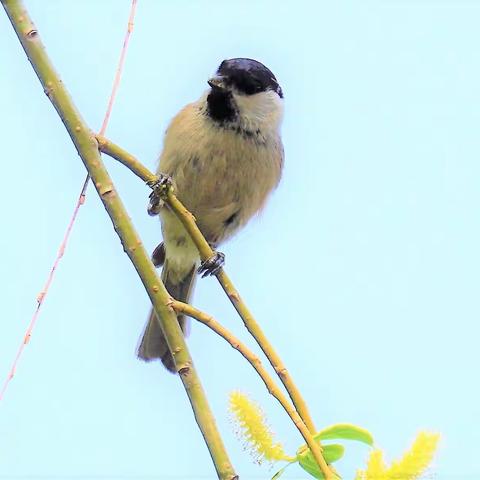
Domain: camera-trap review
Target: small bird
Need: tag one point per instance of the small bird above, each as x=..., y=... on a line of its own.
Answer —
x=224, y=155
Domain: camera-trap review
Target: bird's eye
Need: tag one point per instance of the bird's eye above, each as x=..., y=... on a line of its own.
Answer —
x=252, y=86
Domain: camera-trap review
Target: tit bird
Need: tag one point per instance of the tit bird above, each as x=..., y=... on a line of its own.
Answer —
x=224, y=155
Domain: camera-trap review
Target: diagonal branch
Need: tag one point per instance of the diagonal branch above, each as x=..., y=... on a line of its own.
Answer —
x=188, y=221
x=87, y=147
x=256, y=363
x=206, y=252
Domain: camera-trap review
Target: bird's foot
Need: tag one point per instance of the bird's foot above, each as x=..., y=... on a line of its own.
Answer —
x=212, y=265
x=160, y=188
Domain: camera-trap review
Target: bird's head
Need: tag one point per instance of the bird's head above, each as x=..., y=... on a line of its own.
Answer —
x=245, y=92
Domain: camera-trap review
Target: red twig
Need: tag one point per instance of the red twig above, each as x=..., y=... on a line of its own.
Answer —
x=41, y=296
x=118, y=73
x=81, y=200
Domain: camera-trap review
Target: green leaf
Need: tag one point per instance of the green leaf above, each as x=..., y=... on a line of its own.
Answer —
x=280, y=472
x=277, y=475
x=331, y=453
x=345, y=431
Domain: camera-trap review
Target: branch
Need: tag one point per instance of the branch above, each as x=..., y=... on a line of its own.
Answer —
x=188, y=221
x=206, y=252
x=114, y=151
x=87, y=147
x=256, y=363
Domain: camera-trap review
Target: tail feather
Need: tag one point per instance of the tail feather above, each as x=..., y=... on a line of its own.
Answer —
x=153, y=344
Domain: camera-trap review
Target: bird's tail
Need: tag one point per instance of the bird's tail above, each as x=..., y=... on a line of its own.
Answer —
x=153, y=344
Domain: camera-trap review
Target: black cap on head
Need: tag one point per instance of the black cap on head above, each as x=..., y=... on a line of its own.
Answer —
x=248, y=76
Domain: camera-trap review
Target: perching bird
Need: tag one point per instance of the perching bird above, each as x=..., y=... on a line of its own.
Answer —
x=224, y=154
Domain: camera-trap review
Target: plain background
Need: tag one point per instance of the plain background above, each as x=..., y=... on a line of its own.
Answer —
x=363, y=269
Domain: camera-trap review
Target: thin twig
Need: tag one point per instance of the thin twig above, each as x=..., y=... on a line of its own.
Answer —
x=80, y=201
x=188, y=221
x=121, y=155
x=256, y=363
x=118, y=72
x=43, y=294
x=206, y=252
x=87, y=147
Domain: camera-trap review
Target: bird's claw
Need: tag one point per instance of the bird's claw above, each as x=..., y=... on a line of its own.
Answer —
x=212, y=265
x=160, y=188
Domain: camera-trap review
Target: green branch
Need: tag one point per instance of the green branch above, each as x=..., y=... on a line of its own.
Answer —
x=188, y=221
x=206, y=252
x=256, y=363
x=87, y=147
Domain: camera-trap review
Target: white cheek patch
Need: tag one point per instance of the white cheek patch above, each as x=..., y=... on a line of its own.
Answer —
x=260, y=109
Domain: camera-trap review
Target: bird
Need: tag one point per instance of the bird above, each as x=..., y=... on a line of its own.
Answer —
x=224, y=156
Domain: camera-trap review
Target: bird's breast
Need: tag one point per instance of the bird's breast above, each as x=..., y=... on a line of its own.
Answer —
x=222, y=175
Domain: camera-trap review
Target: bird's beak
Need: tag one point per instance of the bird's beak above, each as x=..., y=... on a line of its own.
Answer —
x=217, y=82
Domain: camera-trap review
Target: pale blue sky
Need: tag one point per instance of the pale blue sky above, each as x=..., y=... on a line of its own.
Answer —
x=363, y=270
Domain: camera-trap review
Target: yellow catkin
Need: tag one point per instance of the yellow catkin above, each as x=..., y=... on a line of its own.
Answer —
x=254, y=429
x=376, y=467
x=410, y=467
x=417, y=459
